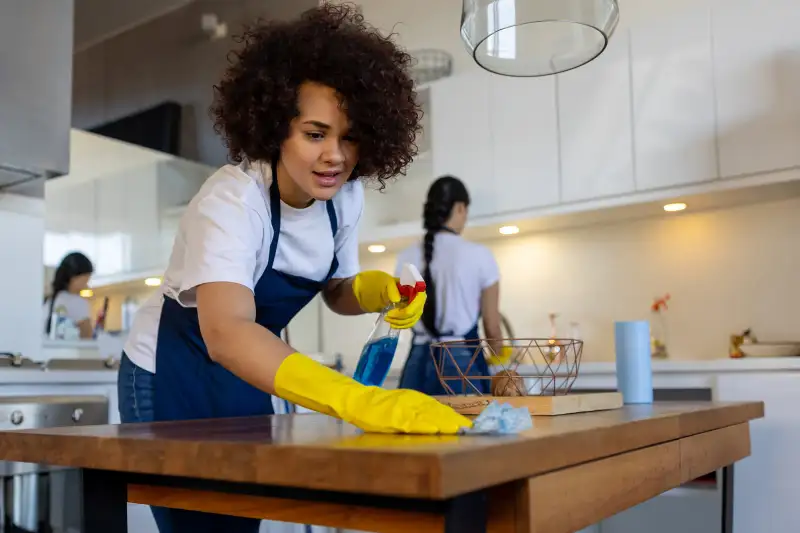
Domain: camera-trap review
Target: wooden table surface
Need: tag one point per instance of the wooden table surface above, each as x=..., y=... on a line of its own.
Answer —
x=318, y=452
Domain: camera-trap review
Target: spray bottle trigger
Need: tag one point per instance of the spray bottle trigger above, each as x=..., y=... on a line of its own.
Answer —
x=409, y=292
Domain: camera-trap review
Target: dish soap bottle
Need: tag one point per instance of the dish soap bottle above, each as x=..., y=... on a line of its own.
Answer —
x=378, y=353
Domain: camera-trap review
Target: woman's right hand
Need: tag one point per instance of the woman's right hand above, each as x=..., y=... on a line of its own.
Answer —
x=305, y=382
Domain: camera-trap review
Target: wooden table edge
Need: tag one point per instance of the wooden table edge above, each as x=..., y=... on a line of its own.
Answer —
x=533, y=505
x=441, y=466
x=736, y=414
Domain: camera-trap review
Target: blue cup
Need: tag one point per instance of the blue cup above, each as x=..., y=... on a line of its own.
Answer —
x=634, y=370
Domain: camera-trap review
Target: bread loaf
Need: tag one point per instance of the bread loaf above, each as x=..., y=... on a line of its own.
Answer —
x=508, y=383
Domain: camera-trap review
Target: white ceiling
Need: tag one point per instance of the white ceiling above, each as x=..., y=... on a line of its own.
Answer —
x=98, y=20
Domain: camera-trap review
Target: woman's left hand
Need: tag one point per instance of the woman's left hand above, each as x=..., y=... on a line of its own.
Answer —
x=375, y=290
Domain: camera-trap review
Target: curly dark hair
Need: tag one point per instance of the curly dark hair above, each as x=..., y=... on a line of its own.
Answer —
x=331, y=45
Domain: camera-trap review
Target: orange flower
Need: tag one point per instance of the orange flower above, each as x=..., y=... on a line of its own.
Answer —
x=660, y=303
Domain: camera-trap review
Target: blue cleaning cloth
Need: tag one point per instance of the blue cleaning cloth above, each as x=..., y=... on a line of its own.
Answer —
x=500, y=419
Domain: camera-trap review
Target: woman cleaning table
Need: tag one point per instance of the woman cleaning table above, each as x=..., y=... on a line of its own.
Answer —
x=308, y=110
x=463, y=284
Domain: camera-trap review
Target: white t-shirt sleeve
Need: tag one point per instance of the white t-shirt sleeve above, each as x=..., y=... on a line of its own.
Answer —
x=77, y=308
x=223, y=235
x=489, y=272
x=350, y=209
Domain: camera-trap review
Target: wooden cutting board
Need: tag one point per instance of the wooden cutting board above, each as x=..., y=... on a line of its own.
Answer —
x=539, y=405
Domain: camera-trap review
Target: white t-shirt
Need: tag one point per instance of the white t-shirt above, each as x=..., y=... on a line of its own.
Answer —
x=225, y=235
x=461, y=270
x=74, y=306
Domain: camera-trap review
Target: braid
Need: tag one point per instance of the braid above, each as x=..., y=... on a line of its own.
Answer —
x=442, y=196
x=434, y=218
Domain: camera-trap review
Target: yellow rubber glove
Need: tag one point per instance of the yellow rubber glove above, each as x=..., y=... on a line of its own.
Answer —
x=303, y=381
x=375, y=290
x=503, y=358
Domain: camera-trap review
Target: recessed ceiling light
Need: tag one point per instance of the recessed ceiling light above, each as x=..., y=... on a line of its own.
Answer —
x=376, y=248
x=152, y=282
x=509, y=230
x=679, y=206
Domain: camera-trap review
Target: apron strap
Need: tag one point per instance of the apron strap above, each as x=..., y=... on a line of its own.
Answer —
x=332, y=217
x=471, y=335
x=334, y=228
x=275, y=219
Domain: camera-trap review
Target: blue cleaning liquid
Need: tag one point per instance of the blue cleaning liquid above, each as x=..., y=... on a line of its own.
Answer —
x=376, y=358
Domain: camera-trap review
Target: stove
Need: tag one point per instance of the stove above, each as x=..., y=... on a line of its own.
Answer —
x=38, y=498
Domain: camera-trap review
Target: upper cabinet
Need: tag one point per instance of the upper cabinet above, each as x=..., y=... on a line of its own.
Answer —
x=524, y=142
x=595, y=133
x=673, y=100
x=757, y=74
x=119, y=211
x=461, y=137
x=499, y=136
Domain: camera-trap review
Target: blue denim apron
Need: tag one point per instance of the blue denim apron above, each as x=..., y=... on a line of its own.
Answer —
x=189, y=385
x=419, y=372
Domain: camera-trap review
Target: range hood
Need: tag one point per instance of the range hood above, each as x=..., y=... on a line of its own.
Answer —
x=36, y=93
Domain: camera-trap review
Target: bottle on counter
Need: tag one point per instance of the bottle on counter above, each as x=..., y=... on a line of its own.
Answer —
x=58, y=323
x=100, y=323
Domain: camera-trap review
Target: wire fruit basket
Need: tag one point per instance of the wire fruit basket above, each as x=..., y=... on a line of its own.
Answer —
x=539, y=374
x=545, y=367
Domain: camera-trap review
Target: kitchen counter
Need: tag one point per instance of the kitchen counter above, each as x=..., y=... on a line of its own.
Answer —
x=77, y=344
x=315, y=469
x=745, y=364
x=37, y=376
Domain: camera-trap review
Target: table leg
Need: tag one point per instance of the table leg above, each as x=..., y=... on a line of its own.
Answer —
x=105, y=502
x=727, y=499
x=467, y=514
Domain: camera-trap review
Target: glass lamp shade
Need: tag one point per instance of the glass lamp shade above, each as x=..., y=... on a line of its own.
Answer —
x=536, y=37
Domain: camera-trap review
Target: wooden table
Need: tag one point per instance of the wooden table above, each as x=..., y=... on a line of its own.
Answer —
x=565, y=474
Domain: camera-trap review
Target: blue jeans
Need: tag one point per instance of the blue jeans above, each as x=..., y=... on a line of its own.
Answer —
x=419, y=372
x=136, y=389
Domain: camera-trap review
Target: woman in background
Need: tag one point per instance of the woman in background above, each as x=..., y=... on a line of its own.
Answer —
x=462, y=281
x=72, y=276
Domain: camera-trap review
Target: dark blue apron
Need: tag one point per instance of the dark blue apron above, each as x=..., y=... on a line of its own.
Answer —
x=419, y=372
x=189, y=385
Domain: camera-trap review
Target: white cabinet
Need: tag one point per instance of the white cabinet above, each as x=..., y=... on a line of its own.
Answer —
x=757, y=75
x=127, y=222
x=673, y=100
x=766, y=483
x=461, y=136
x=595, y=133
x=120, y=220
x=524, y=142
x=499, y=136
x=69, y=220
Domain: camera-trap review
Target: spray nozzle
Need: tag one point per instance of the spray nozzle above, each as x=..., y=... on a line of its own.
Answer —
x=411, y=283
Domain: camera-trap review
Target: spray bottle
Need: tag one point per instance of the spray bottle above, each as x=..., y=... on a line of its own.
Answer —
x=379, y=350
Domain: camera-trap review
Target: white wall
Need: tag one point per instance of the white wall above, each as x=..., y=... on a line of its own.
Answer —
x=726, y=270
x=21, y=235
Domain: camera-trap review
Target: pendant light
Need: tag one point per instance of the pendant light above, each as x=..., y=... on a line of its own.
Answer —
x=536, y=37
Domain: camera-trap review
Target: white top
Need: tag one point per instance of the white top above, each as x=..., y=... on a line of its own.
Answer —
x=461, y=270
x=225, y=235
x=74, y=306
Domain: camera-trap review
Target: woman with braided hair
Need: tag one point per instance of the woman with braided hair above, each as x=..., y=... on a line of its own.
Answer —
x=462, y=281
